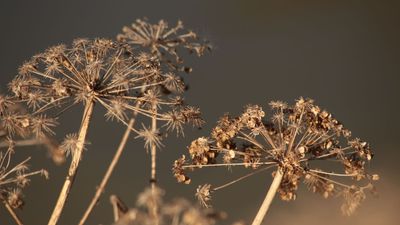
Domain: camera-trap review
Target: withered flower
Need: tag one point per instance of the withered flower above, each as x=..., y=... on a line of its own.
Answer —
x=163, y=40
x=292, y=140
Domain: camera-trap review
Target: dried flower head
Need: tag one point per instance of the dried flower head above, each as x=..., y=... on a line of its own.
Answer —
x=293, y=140
x=90, y=70
x=162, y=39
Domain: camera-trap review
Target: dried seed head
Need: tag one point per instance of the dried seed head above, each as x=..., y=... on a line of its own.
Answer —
x=163, y=39
x=293, y=140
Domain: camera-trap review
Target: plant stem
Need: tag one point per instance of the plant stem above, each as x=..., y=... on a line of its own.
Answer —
x=153, y=179
x=110, y=170
x=76, y=157
x=12, y=213
x=269, y=197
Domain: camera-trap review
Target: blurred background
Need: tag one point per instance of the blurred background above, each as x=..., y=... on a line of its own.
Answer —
x=343, y=54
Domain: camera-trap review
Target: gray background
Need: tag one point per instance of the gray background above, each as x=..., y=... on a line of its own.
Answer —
x=344, y=54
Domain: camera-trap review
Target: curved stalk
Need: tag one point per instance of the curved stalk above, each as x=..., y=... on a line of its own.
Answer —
x=269, y=197
x=76, y=158
x=110, y=170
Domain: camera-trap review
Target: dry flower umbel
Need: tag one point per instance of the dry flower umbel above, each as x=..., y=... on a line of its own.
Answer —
x=292, y=140
x=90, y=71
x=163, y=40
x=104, y=72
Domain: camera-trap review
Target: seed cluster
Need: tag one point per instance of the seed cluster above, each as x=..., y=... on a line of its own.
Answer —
x=163, y=40
x=294, y=139
x=108, y=73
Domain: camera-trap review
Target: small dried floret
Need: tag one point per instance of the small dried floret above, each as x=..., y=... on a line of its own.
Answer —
x=117, y=110
x=252, y=116
x=179, y=172
x=174, y=83
x=175, y=121
x=70, y=144
x=226, y=129
x=5, y=103
x=200, y=151
x=151, y=138
x=192, y=115
x=203, y=194
x=15, y=199
x=41, y=125
x=353, y=197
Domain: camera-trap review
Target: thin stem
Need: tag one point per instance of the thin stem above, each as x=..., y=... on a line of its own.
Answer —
x=241, y=178
x=335, y=174
x=12, y=213
x=76, y=158
x=153, y=179
x=22, y=143
x=269, y=197
x=110, y=170
x=228, y=164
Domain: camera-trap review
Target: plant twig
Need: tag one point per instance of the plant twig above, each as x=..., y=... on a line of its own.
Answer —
x=269, y=197
x=76, y=157
x=110, y=170
x=12, y=213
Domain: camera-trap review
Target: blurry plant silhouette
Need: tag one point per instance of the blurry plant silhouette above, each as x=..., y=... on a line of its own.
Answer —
x=15, y=130
x=292, y=141
x=178, y=211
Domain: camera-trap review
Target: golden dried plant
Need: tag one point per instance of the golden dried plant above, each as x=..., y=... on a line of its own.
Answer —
x=293, y=141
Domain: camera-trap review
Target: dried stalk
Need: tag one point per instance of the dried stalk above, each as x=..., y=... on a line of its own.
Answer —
x=76, y=157
x=110, y=170
x=12, y=213
x=268, y=198
x=153, y=179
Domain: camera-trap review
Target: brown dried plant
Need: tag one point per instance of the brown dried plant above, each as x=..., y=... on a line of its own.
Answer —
x=164, y=100
x=126, y=82
x=90, y=71
x=164, y=41
x=293, y=141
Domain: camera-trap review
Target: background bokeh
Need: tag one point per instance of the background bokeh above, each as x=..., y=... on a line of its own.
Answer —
x=343, y=54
